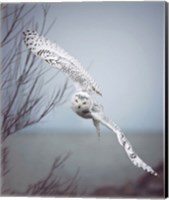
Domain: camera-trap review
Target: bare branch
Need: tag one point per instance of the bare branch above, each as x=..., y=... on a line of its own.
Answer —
x=24, y=101
x=13, y=25
x=4, y=161
x=53, y=184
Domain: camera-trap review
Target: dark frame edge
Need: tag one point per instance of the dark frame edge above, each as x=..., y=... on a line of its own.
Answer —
x=166, y=99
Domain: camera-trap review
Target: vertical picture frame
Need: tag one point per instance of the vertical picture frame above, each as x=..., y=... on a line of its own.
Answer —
x=84, y=99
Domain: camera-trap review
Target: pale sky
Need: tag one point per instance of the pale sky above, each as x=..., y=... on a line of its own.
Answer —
x=122, y=46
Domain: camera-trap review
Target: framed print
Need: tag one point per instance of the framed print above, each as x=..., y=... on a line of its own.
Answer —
x=84, y=99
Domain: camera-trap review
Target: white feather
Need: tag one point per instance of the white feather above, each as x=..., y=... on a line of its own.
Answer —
x=57, y=57
x=82, y=103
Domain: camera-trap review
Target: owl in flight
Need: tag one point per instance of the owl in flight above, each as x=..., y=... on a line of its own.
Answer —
x=82, y=102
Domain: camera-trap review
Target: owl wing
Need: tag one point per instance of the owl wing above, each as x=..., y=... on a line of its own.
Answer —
x=135, y=159
x=57, y=57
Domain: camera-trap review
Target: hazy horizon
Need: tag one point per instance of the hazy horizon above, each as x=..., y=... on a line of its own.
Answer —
x=101, y=162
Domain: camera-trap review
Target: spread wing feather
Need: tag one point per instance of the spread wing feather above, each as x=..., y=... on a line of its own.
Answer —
x=59, y=58
x=135, y=159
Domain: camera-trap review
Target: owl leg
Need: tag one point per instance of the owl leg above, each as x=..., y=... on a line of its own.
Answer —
x=97, y=125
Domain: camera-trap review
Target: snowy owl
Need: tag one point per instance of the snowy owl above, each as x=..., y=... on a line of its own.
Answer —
x=82, y=102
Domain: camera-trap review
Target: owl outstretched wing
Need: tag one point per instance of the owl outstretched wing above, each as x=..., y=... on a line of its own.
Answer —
x=135, y=159
x=59, y=58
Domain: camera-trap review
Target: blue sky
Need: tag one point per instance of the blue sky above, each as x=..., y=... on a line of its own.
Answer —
x=122, y=46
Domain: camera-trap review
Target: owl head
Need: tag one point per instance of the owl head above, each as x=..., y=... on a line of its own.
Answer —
x=81, y=101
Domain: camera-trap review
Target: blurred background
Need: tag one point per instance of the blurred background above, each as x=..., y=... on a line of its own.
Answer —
x=49, y=150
